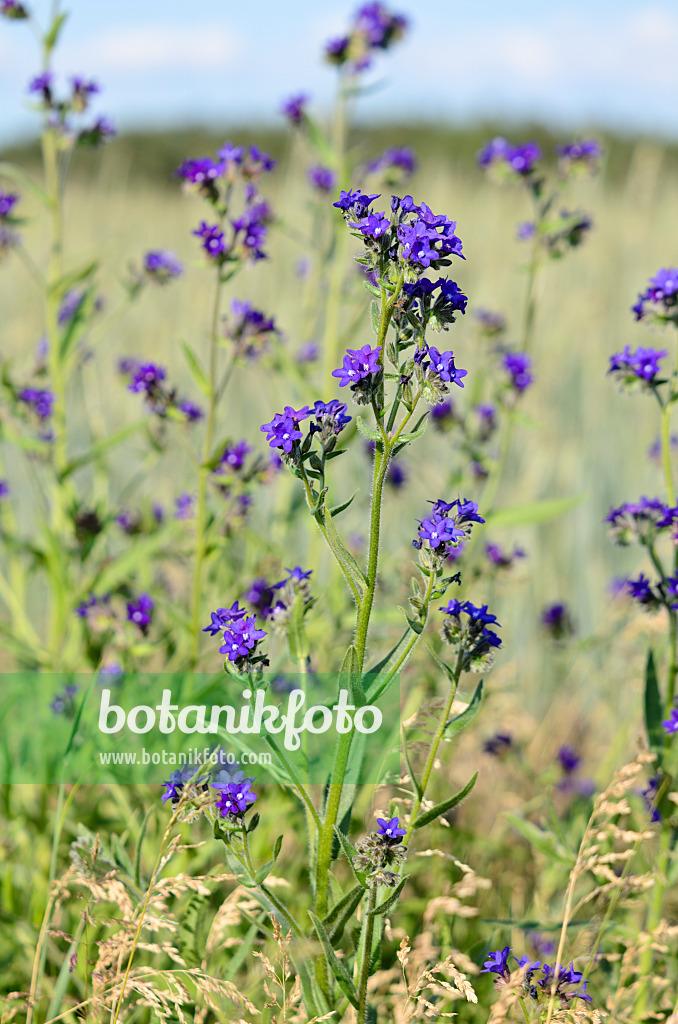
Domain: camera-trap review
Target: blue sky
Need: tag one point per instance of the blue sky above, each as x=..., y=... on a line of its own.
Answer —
x=164, y=62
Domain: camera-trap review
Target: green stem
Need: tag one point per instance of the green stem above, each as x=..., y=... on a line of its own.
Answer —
x=666, y=453
x=203, y=477
x=366, y=945
x=433, y=748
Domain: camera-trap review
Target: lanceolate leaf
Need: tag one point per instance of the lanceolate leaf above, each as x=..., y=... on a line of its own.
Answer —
x=534, y=512
x=298, y=642
x=460, y=722
x=390, y=901
x=338, y=968
x=342, y=912
x=442, y=808
x=653, y=707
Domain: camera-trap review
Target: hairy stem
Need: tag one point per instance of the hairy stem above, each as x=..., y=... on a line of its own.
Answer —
x=203, y=477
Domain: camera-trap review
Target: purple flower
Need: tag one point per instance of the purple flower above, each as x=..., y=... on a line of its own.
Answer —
x=518, y=366
x=233, y=457
x=64, y=702
x=374, y=225
x=395, y=159
x=5, y=490
x=322, y=178
x=146, y=378
x=556, y=620
x=250, y=230
x=526, y=230
x=102, y=129
x=162, y=265
x=179, y=779
x=140, y=611
x=241, y=638
x=517, y=160
x=569, y=759
x=191, y=411
x=661, y=295
x=184, y=506
x=283, y=430
x=43, y=85
x=649, y=795
x=641, y=365
x=498, y=744
x=250, y=329
x=442, y=364
x=391, y=828
x=7, y=201
x=497, y=963
x=294, y=108
x=580, y=154
x=235, y=798
x=221, y=618
x=490, y=323
x=40, y=400
x=502, y=559
x=358, y=364
x=200, y=172
x=71, y=304
x=12, y=9
x=670, y=724
x=308, y=352
x=212, y=241
x=329, y=418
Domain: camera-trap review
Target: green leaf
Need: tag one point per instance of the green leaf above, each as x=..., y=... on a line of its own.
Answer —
x=119, y=570
x=318, y=140
x=354, y=575
x=350, y=677
x=543, y=841
x=410, y=769
x=351, y=853
x=197, y=372
x=449, y=672
x=101, y=447
x=653, y=707
x=68, y=281
x=17, y=174
x=375, y=312
x=52, y=36
x=390, y=901
x=296, y=636
x=534, y=512
x=383, y=673
x=428, y=816
x=342, y=912
x=263, y=872
x=338, y=509
x=371, y=289
x=339, y=969
x=368, y=432
x=460, y=722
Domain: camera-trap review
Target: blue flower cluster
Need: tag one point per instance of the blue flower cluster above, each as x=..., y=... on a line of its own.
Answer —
x=328, y=419
x=60, y=112
x=448, y=525
x=9, y=239
x=148, y=379
x=568, y=984
x=412, y=237
x=659, y=301
x=250, y=330
x=374, y=28
x=510, y=161
x=214, y=181
x=637, y=368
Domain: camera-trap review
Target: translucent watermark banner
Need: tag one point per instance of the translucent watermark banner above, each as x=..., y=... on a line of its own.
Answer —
x=134, y=728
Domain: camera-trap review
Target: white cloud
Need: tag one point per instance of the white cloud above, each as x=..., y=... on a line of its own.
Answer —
x=152, y=48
